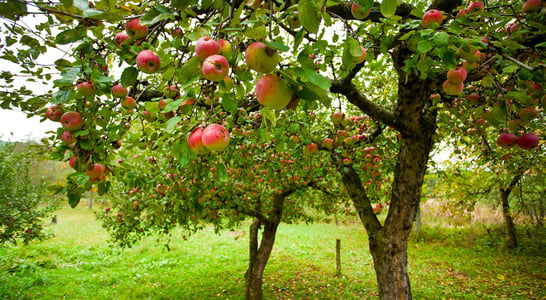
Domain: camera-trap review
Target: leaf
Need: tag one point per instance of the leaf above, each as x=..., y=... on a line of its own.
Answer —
x=70, y=36
x=388, y=8
x=441, y=39
x=81, y=4
x=222, y=172
x=104, y=186
x=424, y=46
x=86, y=144
x=155, y=15
x=351, y=50
x=73, y=198
x=172, y=123
x=62, y=96
x=229, y=104
x=129, y=76
x=12, y=8
x=521, y=98
x=269, y=114
x=317, y=79
x=190, y=71
x=364, y=5
x=309, y=15
x=448, y=56
x=277, y=46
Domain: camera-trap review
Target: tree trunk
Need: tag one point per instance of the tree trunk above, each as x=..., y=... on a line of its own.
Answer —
x=510, y=227
x=258, y=256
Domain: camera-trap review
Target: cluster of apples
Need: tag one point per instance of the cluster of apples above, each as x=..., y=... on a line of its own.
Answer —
x=214, y=137
x=215, y=66
x=119, y=91
x=526, y=141
x=147, y=61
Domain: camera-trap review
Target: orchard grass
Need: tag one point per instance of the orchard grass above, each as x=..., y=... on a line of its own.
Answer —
x=79, y=263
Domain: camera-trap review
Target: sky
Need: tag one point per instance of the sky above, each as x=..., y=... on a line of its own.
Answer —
x=15, y=126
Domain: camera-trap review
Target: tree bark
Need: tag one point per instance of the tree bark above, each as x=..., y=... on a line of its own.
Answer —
x=508, y=220
x=259, y=255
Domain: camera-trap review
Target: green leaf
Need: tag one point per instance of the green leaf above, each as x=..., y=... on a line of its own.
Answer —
x=103, y=187
x=510, y=69
x=62, y=96
x=269, y=114
x=73, y=198
x=155, y=15
x=190, y=71
x=388, y=8
x=277, y=46
x=441, y=39
x=70, y=36
x=229, y=104
x=521, y=98
x=86, y=144
x=222, y=172
x=81, y=4
x=11, y=9
x=172, y=123
x=256, y=33
x=129, y=76
x=364, y=4
x=173, y=105
x=448, y=56
x=351, y=50
x=309, y=15
x=424, y=46
x=317, y=79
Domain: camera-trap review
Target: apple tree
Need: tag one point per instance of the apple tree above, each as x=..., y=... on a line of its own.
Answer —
x=402, y=65
x=24, y=204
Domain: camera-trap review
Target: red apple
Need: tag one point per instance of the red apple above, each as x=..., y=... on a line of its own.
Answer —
x=94, y=170
x=358, y=13
x=457, y=75
x=135, y=30
x=475, y=6
x=148, y=61
x=506, y=140
x=85, y=89
x=528, y=141
x=171, y=91
x=71, y=120
x=119, y=91
x=215, y=137
x=68, y=137
x=461, y=14
x=358, y=59
x=122, y=38
x=128, y=103
x=194, y=141
x=310, y=149
x=527, y=114
x=337, y=118
x=215, y=68
x=225, y=47
x=148, y=116
x=328, y=143
x=432, y=19
x=472, y=55
x=54, y=113
x=261, y=58
x=452, y=89
x=72, y=161
x=206, y=46
x=474, y=99
x=273, y=91
x=532, y=6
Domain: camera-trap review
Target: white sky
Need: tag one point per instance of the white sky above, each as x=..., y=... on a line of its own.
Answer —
x=15, y=126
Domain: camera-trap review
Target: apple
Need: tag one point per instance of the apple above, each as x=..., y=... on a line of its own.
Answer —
x=148, y=116
x=206, y=46
x=148, y=61
x=195, y=142
x=294, y=20
x=452, y=89
x=261, y=58
x=54, y=113
x=215, y=68
x=310, y=149
x=135, y=30
x=472, y=55
x=527, y=114
x=506, y=140
x=128, y=103
x=528, y=141
x=461, y=14
x=225, y=47
x=119, y=91
x=470, y=66
x=94, y=170
x=215, y=137
x=328, y=143
x=122, y=38
x=457, y=75
x=85, y=89
x=273, y=91
x=177, y=32
x=72, y=161
x=474, y=99
x=475, y=6
x=68, y=137
x=532, y=6
x=228, y=83
x=72, y=120
x=358, y=59
x=337, y=118
x=432, y=19
x=171, y=91
x=358, y=13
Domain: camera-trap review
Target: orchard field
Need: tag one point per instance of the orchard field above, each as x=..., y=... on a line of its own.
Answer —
x=446, y=262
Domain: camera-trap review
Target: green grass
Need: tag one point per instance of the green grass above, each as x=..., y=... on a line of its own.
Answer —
x=444, y=263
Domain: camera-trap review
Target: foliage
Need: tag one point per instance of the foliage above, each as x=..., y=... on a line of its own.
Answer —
x=23, y=204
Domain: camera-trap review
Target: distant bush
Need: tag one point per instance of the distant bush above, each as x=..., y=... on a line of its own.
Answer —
x=23, y=203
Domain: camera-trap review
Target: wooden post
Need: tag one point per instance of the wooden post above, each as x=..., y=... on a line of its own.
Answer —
x=338, y=257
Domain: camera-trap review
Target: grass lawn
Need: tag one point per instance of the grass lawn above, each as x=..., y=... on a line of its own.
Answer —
x=79, y=263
